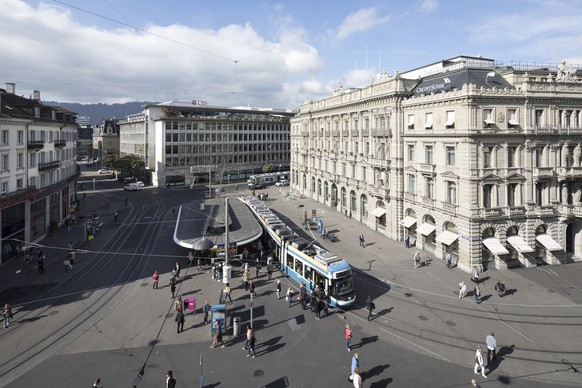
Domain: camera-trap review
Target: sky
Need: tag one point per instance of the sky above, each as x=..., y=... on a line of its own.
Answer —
x=272, y=54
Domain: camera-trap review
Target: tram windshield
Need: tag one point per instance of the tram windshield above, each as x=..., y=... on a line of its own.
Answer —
x=342, y=286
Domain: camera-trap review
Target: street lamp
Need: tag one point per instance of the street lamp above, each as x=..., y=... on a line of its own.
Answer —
x=279, y=168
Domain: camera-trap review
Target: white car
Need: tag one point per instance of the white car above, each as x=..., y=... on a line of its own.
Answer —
x=132, y=187
x=282, y=182
x=103, y=171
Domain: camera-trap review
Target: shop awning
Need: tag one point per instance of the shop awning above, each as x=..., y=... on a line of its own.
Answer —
x=447, y=237
x=408, y=221
x=426, y=229
x=495, y=246
x=379, y=212
x=547, y=241
x=519, y=244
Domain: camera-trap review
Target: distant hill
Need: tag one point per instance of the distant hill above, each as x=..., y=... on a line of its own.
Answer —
x=100, y=112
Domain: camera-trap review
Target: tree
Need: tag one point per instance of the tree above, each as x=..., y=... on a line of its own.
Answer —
x=268, y=167
x=130, y=164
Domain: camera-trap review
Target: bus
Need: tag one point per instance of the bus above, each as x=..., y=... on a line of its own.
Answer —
x=267, y=179
x=303, y=261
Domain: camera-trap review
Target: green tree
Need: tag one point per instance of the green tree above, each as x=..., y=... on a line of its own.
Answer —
x=268, y=167
x=130, y=164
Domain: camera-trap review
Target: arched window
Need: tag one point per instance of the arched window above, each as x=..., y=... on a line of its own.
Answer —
x=364, y=206
x=313, y=185
x=344, y=200
x=353, y=204
x=319, y=187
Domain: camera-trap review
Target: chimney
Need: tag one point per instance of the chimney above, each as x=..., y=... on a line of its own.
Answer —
x=36, y=95
x=10, y=87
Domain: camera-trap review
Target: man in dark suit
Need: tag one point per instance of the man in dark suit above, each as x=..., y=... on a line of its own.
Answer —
x=170, y=380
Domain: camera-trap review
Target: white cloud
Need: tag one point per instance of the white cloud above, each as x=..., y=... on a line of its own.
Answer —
x=428, y=5
x=361, y=20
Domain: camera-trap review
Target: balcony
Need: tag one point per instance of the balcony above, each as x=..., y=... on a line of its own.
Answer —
x=50, y=166
x=378, y=163
x=491, y=212
x=35, y=145
x=60, y=143
x=544, y=172
x=428, y=202
x=450, y=208
x=517, y=211
x=428, y=169
x=575, y=172
x=380, y=192
x=381, y=132
x=409, y=197
x=545, y=210
x=570, y=210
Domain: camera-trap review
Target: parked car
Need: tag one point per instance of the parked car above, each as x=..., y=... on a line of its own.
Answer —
x=282, y=182
x=140, y=184
x=257, y=186
x=132, y=187
x=103, y=171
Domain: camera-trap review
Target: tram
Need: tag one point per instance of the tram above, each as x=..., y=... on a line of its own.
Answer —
x=304, y=261
x=267, y=179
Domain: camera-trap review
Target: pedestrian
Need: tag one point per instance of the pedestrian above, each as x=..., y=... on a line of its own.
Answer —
x=40, y=265
x=156, y=279
x=358, y=378
x=227, y=292
x=180, y=319
x=289, y=296
x=474, y=383
x=477, y=293
x=416, y=259
x=178, y=268
x=206, y=311
x=303, y=295
x=475, y=275
x=270, y=269
x=317, y=306
x=213, y=272
x=179, y=304
x=7, y=315
x=449, y=261
x=325, y=305
x=115, y=216
x=173, y=211
x=479, y=362
x=252, y=342
x=217, y=335
x=491, y=343
x=348, y=335
x=355, y=364
x=67, y=265
x=361, y=240
x=407, y=241
x=235, y=187
x=278, y=289
x=370, y=306
x=248, y=338
x=462, y=290
x=500, y=287
x=170, y=380
x=199, y=264
x=257, y=267
x=245, y=279
x=173, y=286
x=252, y=288
x=97, y=384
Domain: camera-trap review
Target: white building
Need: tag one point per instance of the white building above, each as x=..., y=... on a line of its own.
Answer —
x=465, y=156
x=37, y=168
x=181, y=141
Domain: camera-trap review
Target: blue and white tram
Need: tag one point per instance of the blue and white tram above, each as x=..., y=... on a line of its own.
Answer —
x=303, y=261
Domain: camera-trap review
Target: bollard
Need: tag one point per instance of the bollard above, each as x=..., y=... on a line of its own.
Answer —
x=236, y=326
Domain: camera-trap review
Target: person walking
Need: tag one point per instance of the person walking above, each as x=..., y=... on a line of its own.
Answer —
x=475, y=275
x=67, y=264
x=449, y=261
x=289, y=296
x=477, y=293
x=199, y=265
x=355, y=364
x=278, y=287
x=170, y=380
x=416, y=259
x=362, y=242
x=178, y=304
x=500, y=287
x=462, y=290
x=348, y=335
x=178, y=269
x=270, y=269
x=491, y=343
x=40, y=265
x=245, y=279
x=252, y=342
x=227, y=292
x=217, y=338
x=407, y=241
x=180, y=319
x=303, y=295
x=257, y=267
x=474, y=383
x=479, y=362
x=7, y=315
x=173, y=286
x=156, y=279
x=115, y=216
x=358, y=378
x=206, y=311
x=249, y=335
x=370, y=306
x=252, y=288
x=97, y=384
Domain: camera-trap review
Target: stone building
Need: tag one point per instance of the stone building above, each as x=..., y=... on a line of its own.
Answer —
x=465, y=156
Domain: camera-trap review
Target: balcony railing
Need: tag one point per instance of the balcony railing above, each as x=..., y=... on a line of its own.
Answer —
x=60, y=143
x=491, y=212
x=541, y=172
x=35, y=145
x=379, y=132
x=44, y=167
x=428, y=202
x=549, y=130
x=516, y=211
x=450, y=208
x=545, y=210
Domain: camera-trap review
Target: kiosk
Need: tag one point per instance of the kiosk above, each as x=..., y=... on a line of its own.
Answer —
x=218, y=313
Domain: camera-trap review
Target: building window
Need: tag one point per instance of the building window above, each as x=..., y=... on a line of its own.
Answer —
x=429, y=188
x=19, y=183
x=20, y=160
x=353, y=204
x=5, y=137
x=512, y=120
x=20, y=137
x=411, y=183
x=428, y=154
x=538, y=120
x=487, y=196
x=410, y=122
x=410, y=152
x=5, y=159
x=344, y=197
x=511, y=156
x=428, y=121
x=450, y=156
x=511, y=194
x=3, y=187
x=450, y=119
x=541, y=193
x=488, y=117
x=451, y=193
x=487, y=159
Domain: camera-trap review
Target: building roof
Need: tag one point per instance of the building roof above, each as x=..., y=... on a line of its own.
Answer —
x=447, y=81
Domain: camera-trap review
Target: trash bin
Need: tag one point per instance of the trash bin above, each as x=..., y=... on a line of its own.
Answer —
x=236, y=326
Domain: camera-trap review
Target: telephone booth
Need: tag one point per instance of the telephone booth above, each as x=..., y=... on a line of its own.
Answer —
x=218, y=313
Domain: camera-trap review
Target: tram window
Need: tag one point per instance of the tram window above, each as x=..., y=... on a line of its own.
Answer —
x=308, y=274
x=299, y=267
x=290, y=261
x=319, y=279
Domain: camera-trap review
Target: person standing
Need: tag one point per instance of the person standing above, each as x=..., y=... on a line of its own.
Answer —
x=474, y=383
x=206, y=311
x=97, y=384
x=199, y=264
x=370, y=306
x=491, y=343
x=252, y=342
x=348, y=335
x=479, y=362
x=178, y=304
x=178, y=268
x=358, y=378
x=407, y=241
x=462, y=290
x=355, y=364
x=115, y=216
x=156, y=279
x=361, y=240
x=173, y=286
x=7, y=315
x=475, y=275
x=303, y=295
x=67, y=265
x=245, y=279
x=416, y=259
x=449, y=261
x=249, y=335
x=252, y=288
x=180, y=319
x=170, y=380
x=227, y=292
x=477, y=292
x=270, y=269
x=257, y=267
x=289, y=296
x=217, y=335
x=40, y=265
x=278, y=289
